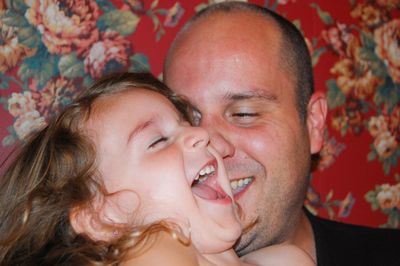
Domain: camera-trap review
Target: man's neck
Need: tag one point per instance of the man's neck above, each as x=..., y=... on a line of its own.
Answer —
x=303, y=237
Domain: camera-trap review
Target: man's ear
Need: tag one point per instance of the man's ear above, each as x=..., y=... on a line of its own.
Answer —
x=316, y=120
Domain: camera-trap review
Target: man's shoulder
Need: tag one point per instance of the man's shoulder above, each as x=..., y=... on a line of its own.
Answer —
x=346, y=244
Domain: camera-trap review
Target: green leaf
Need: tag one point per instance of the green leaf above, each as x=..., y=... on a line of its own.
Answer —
x=397, y=177
x=105, y=5
x=371, y=156
x=8, y=141
x=335, y=96
x=122, y=21
x=387, y=94
x=324, y=16
x=18, y=6
x=41, y=67
x=374, y=205
x=331, y=213
x=367, y=40
x=154, y=4
x=139, y=63
x=87, y=81
x=29, y=37
x=70, y=66
x=370, y=196
x=386, y=167
x=297, y=23
x=14, y=19
x=200, y=7
x=329, y=196
x=4, y=82
x=377, y=66
x=317, y=54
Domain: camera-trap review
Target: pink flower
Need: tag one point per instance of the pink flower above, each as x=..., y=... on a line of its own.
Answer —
x=377, y=125
x=65, y=25
x=337, y=37
x=28, y=123
x=54, y=96
x=111, y=50
x=21, y=103
x=385, y=144
x=174, y=15
x=284, y=2
x=330, y=151
x=388, y=47
x=388, y=197
x=346, y=205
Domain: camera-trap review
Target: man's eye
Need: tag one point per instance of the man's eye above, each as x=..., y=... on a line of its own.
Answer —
x=158, y=141
x=245, y=114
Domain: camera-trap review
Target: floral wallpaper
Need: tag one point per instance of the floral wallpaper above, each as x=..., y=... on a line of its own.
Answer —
x=51, y=49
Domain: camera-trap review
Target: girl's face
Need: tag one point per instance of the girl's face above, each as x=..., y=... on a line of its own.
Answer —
x=160, y=167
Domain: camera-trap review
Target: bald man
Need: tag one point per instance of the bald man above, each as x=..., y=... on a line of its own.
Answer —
x=248, y=73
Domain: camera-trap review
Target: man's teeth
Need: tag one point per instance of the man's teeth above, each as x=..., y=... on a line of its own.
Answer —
x=239, y=183
x=205, y=172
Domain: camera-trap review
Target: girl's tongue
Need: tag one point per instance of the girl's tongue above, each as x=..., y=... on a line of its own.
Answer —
x=209, y=189
x=205, y=192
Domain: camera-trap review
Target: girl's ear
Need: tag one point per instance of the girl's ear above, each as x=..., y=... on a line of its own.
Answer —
x=85, y=222
x=102, y=222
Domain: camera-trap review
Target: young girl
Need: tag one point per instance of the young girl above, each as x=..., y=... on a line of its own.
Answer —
x=121, y=178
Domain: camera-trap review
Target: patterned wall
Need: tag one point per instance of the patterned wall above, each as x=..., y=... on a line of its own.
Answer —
x=50, y=49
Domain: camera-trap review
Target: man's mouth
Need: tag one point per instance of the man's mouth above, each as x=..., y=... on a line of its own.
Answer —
x=239, y=185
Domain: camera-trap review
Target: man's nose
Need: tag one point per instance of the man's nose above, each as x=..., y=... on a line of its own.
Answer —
x=195, y=137
x=219, y=138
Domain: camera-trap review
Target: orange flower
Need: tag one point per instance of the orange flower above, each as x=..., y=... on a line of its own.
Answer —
x=11, y=52
x=390, y=4
x=65, y=25
x=388, y=47
x=370, y=15
x=354, y=76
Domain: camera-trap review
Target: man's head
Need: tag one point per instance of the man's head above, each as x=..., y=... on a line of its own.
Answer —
x=248, y=72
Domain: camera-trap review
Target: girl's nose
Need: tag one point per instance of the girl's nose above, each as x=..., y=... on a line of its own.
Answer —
x=195, y=137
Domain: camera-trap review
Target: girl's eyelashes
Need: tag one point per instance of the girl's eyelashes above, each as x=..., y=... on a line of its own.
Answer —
x=158, y=141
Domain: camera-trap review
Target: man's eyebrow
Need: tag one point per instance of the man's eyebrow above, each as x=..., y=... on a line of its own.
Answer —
x=140, y=127
x=253, y=94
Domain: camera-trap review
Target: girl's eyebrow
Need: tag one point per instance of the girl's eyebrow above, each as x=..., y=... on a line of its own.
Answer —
x=140, y=128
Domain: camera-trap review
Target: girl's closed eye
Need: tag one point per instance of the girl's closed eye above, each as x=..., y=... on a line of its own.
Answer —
x=158, y=142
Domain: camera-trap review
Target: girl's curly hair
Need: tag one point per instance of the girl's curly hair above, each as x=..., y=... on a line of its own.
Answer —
x=54, y=172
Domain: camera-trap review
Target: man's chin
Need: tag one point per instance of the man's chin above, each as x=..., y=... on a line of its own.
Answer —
x=244, y=245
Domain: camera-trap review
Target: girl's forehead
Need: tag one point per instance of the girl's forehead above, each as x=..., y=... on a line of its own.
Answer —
x=134, y=103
